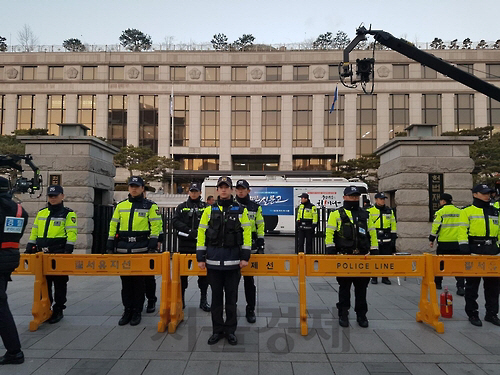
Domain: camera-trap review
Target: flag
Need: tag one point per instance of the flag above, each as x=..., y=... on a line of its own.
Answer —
x=335, y=97
x=172, y=103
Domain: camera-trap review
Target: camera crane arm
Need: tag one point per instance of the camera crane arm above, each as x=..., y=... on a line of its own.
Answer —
x=409, y=50
x=23, y=185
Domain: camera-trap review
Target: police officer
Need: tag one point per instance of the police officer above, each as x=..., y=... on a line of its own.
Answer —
x=223, y=247
x=479, y=234
x=307, y=220
x=210, y=200
x=446, y=227
x=186, y=219
x=139, y=227
x=350, y=231
x=384, y=222
x=13, y=220
x=54, y=231
x=150, y=282
x=258, y=226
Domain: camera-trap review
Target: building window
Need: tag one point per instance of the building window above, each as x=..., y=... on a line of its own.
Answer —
x=210, y=121
x=116, y=73
x=301, y=73
x=148, y=122
x=428, y=73
x=273, y=73
x=464, y=111
x=150, y=73
x=181, y=121
x=2, y=114
x=494, y=114
x=366, y=124
x=240, y=121
x=302, y=121
x=333, y=72
x=29, y=73
x=333, y=119
x=469, y=68
x=26, y=111
x=56, y=72
x=431, y=110
x=56, y=113
x=238, y=73
x=177, y=73
x=89, y=73
x=212, y=73
x=87, y=112
x=314, y=163
x=400, y=71
x=271, y=121
x=117, y=120
x=399, y=113
x=207, y=163
x=492, y=70
x=258, y=163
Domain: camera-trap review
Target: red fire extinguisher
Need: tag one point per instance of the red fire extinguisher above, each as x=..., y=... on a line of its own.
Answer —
x=446, y=302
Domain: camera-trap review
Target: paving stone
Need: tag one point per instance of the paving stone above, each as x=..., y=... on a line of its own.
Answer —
x=303, y=344
x=89, y=338
x=385, y=368
x=95, y=363
x=424, y=369
x=239, y=368
x=434, y=358
x=293, y=357
x=348, y=358
x=273, y=340
x=429, y=342
x=128, y=366
x=148, y=354
x=120, y=338
x=27, y=368
x=335, y=339
x=282, y=368
x=307, y=368
x=39, y=353
x=202, y=368
x=88, y=371
x=350, y=369
x=156, y=367
x=56, y=367
x=461, y=369
x=484, y=358
x=149, y=339
x=367, y=342
x=492, y=369
x=397, y=341
x=59, y=338
x=224, y=356
x=106, y=354
x=465, y=345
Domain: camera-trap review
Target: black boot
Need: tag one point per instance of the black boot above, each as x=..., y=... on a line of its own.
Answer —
x=125, y=319
x=183, y=301
x=344, y=318
x=56, y=316
x=136, y=318
x=12, y=359
x=204, y=305
x=150, y=308
x=250, y=315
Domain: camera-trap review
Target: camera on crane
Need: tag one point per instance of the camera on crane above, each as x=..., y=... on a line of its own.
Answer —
x=364, y=69
x=23, y=185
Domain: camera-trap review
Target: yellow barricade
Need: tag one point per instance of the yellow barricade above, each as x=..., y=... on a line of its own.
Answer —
x=88, y=265
x=466, y=265
x=259, y=265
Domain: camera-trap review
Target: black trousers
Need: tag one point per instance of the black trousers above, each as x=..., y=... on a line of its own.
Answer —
x=449, y=248
x=306, y=235
x=224, y=283
x=250, y=291
x=360, y=286
x=384, y=248
x=202, y=284
x=150, y=287
x=8, y=330
x=491, y=289
x=133, y=289
x=60, y=290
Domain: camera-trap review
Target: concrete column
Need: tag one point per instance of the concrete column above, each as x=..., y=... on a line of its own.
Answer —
x=102, y=116
x=71, y=109
x=350, y=127
x=415, y=108
x=225, y=73
x=225, y=162
x=256, y=121
x=41, y=111
x=133, y=120
x=286, y=159
x=448, y=112
x=480, y=110
x=194, y=120
x=10, y=114
x=382, y=119
x=164, y=125
x=318, y=121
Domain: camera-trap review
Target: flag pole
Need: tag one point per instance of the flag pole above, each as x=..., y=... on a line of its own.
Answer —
x=172, y=139
x=337, y=136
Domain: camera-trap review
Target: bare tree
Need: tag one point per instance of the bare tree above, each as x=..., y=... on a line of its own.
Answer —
x=27, y=38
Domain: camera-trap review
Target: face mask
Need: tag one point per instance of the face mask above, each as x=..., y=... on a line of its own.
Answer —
x=351, y=205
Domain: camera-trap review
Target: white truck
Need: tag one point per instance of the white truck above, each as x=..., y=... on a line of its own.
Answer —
x=279, y=196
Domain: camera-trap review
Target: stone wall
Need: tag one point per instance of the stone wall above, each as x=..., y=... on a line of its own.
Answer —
x=86, y=168
x=405, y=163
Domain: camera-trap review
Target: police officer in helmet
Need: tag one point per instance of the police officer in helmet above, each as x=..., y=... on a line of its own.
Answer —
x=350, y=231
x=13, y=220
x=186, y=219
x=223, y=248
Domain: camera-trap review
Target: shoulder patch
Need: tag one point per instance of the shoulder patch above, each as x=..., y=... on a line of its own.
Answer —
x=73, y=219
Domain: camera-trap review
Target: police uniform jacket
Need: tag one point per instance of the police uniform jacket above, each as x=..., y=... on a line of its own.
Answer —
x=13, y=220
x=54, y=229
x=224, y=235
x=479, y=231
x=186, y=219
x=446, y=227
x=384, y=222
x=256, y=221
x=350, y=234
x=138, y=224
x=307, y=215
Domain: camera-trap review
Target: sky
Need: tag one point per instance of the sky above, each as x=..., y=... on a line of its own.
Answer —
x=269, y=21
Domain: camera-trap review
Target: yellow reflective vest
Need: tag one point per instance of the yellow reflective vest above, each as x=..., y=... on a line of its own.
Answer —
x=446, y=224
x=307, y=215
x=479, y=231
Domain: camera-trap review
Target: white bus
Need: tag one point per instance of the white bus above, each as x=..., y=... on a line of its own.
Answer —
x=279, y=196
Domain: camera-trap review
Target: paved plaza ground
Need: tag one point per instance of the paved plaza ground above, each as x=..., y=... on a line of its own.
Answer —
x=89, y=341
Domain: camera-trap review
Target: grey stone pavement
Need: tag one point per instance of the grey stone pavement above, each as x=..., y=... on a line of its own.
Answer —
x=89, y=341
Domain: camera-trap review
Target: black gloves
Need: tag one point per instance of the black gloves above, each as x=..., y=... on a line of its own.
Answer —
x=259, y=242
x=152, y=245
x=193, y=234
x=330, y=250
x=374, y=252
x=110, y=246
x=432, y=238
x=68, y=249
x=30, y=248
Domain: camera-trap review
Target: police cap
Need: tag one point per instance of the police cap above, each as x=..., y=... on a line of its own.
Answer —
x=483, y=189
x=243, y=183
x=55, y=190
x=224, y=180
x=136, y=180
x=195, y=186
x=304, y=195
x=381, y=195
x=352, y=190
x=446, y=197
